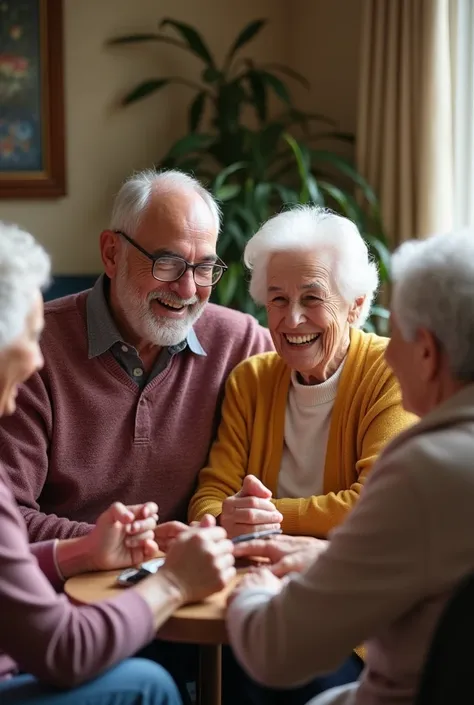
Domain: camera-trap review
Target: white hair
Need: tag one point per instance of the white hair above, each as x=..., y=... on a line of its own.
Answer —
x=312, y=228
x=434, y=289
x=24, y=269
x=134, y=196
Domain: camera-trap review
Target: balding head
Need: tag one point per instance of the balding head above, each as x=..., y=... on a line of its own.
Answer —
x=140, y=189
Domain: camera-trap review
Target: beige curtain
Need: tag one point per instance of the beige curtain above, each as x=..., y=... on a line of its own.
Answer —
x=404, y=130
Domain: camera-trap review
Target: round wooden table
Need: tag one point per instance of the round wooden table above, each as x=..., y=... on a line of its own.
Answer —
x=202, y=624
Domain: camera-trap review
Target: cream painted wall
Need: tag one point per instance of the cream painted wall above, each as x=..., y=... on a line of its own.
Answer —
x=325, y=47
x=105, y=143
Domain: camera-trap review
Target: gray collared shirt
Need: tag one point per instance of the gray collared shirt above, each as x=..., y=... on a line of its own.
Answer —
x=103, y=335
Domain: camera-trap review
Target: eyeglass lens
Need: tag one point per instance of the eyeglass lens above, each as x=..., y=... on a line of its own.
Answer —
x=168, y=269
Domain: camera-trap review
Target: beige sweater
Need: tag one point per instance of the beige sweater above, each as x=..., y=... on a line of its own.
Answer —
x=386, y=574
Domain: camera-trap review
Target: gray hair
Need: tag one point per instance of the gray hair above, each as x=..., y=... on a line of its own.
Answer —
x=134, y=195
x=24, y=269
x=317, y=229
x=434, y=289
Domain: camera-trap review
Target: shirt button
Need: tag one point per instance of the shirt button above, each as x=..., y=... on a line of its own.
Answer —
x=124, y=348
x=137, y=372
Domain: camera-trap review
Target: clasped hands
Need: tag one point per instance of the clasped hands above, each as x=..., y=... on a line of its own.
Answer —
x=125, y=536
x=247, y=511
x=250, y=509
x=199, y=558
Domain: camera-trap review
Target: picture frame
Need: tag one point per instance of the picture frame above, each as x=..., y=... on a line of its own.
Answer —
x=32, y=134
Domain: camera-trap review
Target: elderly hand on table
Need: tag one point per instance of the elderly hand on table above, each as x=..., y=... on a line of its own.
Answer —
x=122, y=536
x=199, y=562
x=166, y=533
x=260, y=578
x=249, y=510
x=287, y=554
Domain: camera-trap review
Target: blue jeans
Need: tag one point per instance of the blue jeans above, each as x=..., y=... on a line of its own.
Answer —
x=133, y=682
x=239, y=689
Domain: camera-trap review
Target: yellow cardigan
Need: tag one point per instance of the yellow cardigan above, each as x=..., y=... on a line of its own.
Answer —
x=367, y=413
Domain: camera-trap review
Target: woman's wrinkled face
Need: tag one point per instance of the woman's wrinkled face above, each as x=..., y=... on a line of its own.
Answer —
x=308, y=319
x=21, y=358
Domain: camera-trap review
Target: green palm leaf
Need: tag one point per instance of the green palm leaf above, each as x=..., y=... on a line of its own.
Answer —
x=192, y=38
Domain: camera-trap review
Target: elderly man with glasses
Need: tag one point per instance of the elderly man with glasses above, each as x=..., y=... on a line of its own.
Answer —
x=127, y=403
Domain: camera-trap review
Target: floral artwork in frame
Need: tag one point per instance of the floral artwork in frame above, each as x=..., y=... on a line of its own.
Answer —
x=32, y=161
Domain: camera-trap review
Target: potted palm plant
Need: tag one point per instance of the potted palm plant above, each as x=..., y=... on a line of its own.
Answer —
x=257, y=169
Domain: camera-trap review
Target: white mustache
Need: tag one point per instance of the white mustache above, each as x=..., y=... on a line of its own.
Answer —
x=155, y=295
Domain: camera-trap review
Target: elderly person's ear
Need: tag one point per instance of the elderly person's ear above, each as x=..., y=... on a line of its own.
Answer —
x=354, y=311
x=110, y=251
x=428, y=353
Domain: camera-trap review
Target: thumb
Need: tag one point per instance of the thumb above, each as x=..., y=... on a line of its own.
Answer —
x=207, y=521
x=117, y=512
x=253, y=487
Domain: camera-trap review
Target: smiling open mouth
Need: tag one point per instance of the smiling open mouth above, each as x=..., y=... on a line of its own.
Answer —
x=299, y=340
x=170, y=306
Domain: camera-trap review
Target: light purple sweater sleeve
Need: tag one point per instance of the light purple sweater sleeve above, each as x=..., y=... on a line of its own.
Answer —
x=43, y=633
x=45, y=554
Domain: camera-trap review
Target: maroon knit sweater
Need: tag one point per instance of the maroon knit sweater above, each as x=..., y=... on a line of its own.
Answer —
x=84, y=435
x=41, y=632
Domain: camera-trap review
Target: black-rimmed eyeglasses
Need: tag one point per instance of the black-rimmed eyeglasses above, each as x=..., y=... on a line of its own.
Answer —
x=170, y=268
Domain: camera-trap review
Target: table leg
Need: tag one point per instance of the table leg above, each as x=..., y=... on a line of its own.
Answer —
x=210, y=675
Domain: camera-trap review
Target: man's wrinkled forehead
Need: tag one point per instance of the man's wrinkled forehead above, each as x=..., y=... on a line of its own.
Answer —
x=175, y=215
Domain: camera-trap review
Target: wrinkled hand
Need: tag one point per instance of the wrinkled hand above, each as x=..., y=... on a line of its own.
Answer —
x=166, y=533
x=257, y=578
x=250, y=509
x=287, y=554
x=123, y=536
x=199, y=562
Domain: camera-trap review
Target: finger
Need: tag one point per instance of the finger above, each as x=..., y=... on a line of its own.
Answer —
x=229, y=574
x=145, y=551
x=139, y=526
x=250, y=503
x=254, y=487
x=135, y=541
x=118, y=512
x=142, y=511
x=257, y=516
x=207, y=521
x=225, y=577
x=256, y=576
x=213, y=533
x=150, y=548
x=149, y=509
x=222, y=547
x=288, y=564
x=257, y=547
x=170, y=529
x=225, y=561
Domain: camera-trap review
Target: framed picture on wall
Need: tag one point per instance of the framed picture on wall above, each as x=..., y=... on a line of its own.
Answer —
x=32, y=154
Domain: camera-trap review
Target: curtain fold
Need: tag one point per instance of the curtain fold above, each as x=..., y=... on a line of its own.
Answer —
x=405, y=117
x=462, y=60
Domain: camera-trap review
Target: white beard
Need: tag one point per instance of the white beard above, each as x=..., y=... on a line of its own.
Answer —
x=157, y=330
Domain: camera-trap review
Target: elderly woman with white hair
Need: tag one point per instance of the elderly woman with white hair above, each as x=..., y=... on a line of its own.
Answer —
x=390, y=568
x=301, y=427
x=49, y=647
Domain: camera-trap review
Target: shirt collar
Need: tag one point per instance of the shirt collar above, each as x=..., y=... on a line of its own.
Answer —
x=103, y=333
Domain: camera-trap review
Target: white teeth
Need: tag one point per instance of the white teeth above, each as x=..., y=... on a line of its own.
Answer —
x=300, y=339
x=170, y=304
